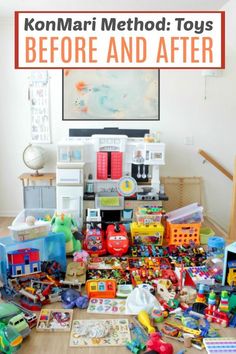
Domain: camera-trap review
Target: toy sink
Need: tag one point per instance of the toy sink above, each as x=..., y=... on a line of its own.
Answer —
x=109, y=201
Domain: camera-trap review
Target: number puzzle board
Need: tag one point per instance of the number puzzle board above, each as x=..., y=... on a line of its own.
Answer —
x=118, y=334
x=108, y=306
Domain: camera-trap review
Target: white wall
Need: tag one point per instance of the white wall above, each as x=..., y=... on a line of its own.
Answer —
x=184, y=112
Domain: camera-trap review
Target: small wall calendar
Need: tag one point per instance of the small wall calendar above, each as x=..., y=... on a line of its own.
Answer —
x=39, y=106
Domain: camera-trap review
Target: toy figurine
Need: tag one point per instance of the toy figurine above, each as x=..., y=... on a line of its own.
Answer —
x=155, y=343
x=65, y=224
x=71, y=298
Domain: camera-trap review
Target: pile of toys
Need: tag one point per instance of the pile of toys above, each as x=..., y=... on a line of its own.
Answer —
x=172, y=290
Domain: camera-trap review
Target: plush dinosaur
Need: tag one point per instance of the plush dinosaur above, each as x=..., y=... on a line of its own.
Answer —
x=65, y=223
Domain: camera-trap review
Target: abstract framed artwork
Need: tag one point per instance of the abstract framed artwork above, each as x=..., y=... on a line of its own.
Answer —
x=111, y=94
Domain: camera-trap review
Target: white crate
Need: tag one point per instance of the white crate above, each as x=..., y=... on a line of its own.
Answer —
x=21, y=231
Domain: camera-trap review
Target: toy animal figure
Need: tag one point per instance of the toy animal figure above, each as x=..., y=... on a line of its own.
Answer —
x=65, y=223
x=71, y=298
x=155, y=343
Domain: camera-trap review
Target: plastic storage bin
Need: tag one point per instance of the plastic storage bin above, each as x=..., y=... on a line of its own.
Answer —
x=21, y=231
x=51, y=248
x=180, y=234
x=147, y=234
x=205, y=233
x=190, y=214
x=216, y=247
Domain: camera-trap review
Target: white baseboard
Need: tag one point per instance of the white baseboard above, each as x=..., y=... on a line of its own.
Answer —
x=9, y=214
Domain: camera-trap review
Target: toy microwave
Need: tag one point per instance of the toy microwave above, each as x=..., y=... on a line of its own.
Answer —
x=101, y=288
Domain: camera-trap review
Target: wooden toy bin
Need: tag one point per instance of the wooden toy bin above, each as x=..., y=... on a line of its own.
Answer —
x=182, y=234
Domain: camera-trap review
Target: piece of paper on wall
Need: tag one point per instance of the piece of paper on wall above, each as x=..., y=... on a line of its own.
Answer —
x=111, y=94
x=39, y=96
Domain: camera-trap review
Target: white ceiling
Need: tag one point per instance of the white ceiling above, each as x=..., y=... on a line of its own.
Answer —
x=7, y=7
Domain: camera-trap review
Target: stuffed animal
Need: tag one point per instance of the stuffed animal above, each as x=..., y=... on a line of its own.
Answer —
x=72, y=298
x=65, y=223
x=81, y=256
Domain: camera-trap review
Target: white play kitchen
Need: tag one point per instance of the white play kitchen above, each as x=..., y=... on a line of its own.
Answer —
x=89, y=170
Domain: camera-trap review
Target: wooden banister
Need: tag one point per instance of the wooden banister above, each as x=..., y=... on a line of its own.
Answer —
x=215, y=163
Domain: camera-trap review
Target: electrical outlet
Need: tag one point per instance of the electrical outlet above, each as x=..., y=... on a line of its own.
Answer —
x=188, y=140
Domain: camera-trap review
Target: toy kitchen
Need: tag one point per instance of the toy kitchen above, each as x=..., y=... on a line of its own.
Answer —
x=110, y=169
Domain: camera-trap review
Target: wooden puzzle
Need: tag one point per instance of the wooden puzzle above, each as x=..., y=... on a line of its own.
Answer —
x=103, y=333
x=54, y=320
x=107, y=306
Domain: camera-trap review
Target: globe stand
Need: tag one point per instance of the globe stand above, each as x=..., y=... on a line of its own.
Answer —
x=36, y=174
x=34, y=159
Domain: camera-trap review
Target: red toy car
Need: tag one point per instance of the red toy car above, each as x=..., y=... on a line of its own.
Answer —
x=94, y=242
x=117, y=240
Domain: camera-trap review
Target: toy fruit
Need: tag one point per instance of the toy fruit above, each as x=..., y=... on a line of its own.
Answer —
x=65, y=224
x=155, y=343
x=117, y=240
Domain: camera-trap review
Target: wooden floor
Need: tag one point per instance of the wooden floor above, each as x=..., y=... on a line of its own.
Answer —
x=48, y=343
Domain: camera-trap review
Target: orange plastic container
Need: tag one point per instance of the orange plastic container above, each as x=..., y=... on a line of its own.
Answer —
x=180, y=234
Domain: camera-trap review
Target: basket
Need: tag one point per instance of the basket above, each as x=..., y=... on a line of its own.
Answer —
x=182, y=234
x=21, y=231
x=147, y=234
x=205, y=233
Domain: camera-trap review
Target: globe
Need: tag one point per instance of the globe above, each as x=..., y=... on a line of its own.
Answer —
x=34, y=157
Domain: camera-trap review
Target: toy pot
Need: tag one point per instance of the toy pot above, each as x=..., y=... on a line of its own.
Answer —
x=145, y=321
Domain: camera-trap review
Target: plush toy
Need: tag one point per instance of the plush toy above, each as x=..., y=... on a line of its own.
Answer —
x=65, y=223
x=72, y=298
x=81, y=256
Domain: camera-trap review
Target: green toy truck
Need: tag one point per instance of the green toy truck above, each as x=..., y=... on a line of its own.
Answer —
x=12, y=315
x=10, y=339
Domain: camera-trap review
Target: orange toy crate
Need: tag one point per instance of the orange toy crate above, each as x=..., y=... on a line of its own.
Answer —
x=180, y=234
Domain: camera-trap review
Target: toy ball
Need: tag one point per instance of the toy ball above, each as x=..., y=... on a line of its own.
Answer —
x=30, y=220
